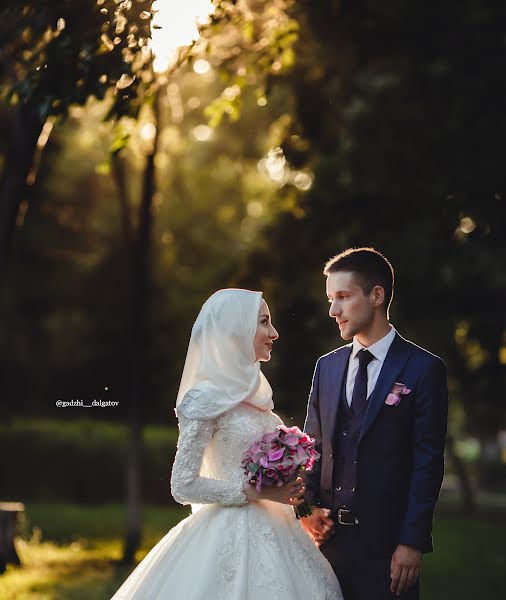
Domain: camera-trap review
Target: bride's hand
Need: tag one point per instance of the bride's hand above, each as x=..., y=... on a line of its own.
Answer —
x=291, y=492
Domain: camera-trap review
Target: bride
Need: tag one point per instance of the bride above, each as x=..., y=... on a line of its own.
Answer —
x=238, y=544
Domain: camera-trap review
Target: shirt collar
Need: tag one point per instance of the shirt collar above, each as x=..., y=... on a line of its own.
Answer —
x=379, y=349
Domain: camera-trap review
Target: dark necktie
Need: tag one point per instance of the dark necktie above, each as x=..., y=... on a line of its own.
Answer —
x=360, y=388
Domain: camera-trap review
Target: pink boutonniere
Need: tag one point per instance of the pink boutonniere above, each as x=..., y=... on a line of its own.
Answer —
x=394, y=397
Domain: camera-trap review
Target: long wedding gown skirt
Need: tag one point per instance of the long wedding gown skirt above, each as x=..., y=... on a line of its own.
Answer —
x=231, y=550
x=245, y=553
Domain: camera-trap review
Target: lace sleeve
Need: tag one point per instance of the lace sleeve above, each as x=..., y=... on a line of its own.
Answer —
x=186, y=484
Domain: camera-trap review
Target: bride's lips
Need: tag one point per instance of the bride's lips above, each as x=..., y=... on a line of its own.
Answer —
x=340, y=323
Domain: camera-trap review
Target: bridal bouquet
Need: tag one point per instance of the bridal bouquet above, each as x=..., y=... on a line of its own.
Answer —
x=279, y=457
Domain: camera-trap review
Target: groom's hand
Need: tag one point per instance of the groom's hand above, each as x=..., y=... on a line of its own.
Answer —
x=405, y=568
x=318, y=525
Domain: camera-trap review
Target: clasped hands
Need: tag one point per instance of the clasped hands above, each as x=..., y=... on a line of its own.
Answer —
x=406, y=563
x=319, y=525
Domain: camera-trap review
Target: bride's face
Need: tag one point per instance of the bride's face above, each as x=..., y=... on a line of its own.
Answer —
x=265, y=334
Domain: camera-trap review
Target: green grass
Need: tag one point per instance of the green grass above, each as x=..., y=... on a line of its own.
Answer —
x=70, y=553
x=469, y=559
x=64, y=523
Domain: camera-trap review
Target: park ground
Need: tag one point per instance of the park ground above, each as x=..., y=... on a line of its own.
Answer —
x=72, y=552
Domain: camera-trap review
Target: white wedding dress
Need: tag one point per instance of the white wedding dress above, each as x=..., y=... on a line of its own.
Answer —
x=229, y=549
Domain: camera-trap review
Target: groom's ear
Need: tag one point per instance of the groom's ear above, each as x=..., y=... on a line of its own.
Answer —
x=378, y=296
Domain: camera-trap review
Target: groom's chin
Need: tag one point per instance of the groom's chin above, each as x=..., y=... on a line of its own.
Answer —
x=346, y=335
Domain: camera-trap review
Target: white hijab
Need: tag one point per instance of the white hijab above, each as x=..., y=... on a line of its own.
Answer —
x=221, y=369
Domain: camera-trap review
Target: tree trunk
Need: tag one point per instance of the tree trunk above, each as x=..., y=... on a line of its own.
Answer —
x=139, y=296
x=26, y=129
x=118, y=171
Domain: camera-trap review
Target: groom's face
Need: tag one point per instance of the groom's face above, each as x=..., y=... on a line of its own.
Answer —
x=352, y=310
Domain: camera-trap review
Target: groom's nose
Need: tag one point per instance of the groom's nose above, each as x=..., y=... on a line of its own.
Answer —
x=334, y=310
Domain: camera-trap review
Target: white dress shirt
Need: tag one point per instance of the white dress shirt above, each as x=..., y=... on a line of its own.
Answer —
x=379, y=350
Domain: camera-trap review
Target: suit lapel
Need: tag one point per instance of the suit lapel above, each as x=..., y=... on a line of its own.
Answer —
x=335, y=390
x=395, y=360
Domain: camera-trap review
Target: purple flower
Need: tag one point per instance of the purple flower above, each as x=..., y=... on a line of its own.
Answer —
x=276, y=455
x=256, y=457
x=272, y=474
x=255, y=448
x=270, y=437
x=264, y=462
x=398, y=390
x=291, y=439
x=301, y=453
x=279, y=456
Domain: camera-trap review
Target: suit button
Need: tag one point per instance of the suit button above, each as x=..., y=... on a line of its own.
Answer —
x=353, y=488
x=338, y=488
x=345, y=432
x=331, y=455
x=354, y=462
x=357, y=435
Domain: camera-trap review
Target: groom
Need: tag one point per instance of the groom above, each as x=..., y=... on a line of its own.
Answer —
x=378, y=412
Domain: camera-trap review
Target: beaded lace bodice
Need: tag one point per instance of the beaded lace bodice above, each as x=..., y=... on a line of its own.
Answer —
x=207, y=467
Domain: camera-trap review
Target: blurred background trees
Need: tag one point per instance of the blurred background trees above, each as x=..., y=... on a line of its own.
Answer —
x=55, y=55
x=288, y=132
x=398, y=110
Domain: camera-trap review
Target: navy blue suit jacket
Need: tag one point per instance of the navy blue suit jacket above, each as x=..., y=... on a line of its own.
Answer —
x=400, y=456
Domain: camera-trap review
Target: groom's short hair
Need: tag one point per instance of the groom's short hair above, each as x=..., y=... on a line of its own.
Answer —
x=369, y=266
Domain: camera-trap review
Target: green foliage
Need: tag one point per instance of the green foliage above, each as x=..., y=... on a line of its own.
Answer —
x=81, y=461
x=251, y=43
x=56, y=54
